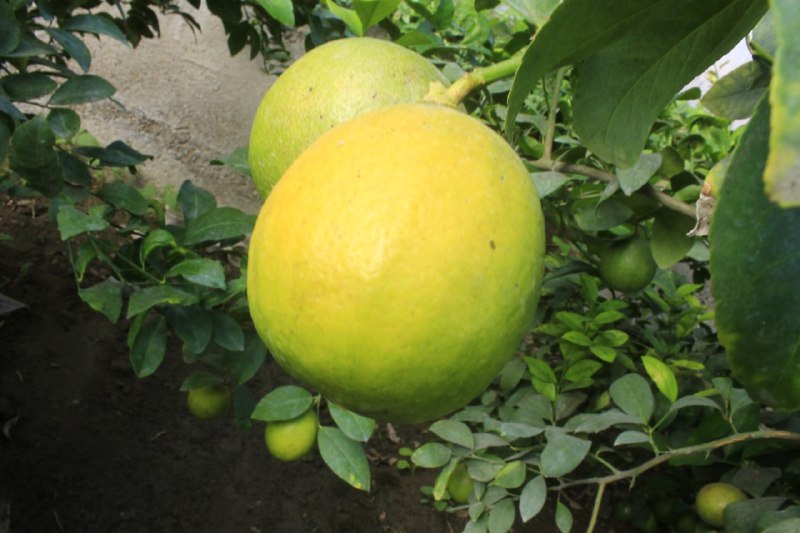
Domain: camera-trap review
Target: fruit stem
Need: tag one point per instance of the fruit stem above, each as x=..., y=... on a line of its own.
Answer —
x=688, y=450
x=550, y=132
x=455, y=94
x=648, y=190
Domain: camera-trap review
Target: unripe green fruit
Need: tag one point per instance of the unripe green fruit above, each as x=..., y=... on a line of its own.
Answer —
x=208, y=402
x=460, y=485
x=712, y=500
x=328, y=86
x=628, y=265
x=290, y=440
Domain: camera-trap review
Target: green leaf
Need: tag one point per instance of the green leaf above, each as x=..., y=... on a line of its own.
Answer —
x=532, y=498
x=72, y=222
x=790, y=525
x=9, y=29
x=612, y=337
x=511, y=476
x=157, y=238
x=742, y=517
x=502, y=516
x=244, y=365
x=284, y=403
x=669, y=243
x=105, y=297
x=82, y=89
x=608, y=317
x=736, y=95
x=440, y=485
x=355, y=426
x=97, y=24
x=622, y=88
x=280, y=10
x=431, y=455
x=764, y=39
x=64, y=122
x=548, y=182
x=455, y=432
x=582, y=370
x=192, y=325
x=83, y=256
x=600, y=217
x=149, y=347
x=631, y=437
x=199, y=379
x=694, y=401
x=32, y=156
x=755, y=479
x=633, y=395
x=219, y=224
x=5, y=139
x=577, y=337
x=205, y=272
x=348, y=16
x=563, y=517
x=604, y=353
x=344, y=456
x=662, y=376
x=238, y=159
x=27, y=86
x=9, y=109
x=536, y=12
x=116, y=154
x=29, y=46
x=144, y=299
x=782, y=176
x=227, y=332
x=243, y=404
x=194, y=201
x=540, y=370
x=123, y=196
x=634, y=178
x=562, y=454
x=597, y=422
x=754, y=265
x=371, y=12
x=73, y=46
x=74, y=170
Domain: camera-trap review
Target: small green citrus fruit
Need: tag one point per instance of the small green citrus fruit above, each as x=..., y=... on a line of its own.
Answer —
x=290, y=440
x=460, y=484
x=326, y=87
x=208, y=402
x=712, y=500
x=628, y=265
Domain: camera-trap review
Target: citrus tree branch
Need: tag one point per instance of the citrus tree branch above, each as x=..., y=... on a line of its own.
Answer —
x=550, y=131
x=455, y=94
x=648, y=190
x=689, y=450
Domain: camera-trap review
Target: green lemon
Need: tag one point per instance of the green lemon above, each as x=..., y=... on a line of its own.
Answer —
x=460, y=484
x=712, y=500
x=208, y=402
x=326, y=87
x=397, y=264
x=290, y=440
x=628, y=265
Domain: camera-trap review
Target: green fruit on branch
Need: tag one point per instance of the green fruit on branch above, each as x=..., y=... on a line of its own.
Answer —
x=398, y=263
x=208, y=402
x=326, y=87
x=712, y=500
x=628, y=265
x=460, y=484
x=290, y=440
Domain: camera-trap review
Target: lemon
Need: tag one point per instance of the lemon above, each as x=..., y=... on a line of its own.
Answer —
x=398, y=263
x=208, y=402
x=327, y=86
x=460, y=484
x=628, y=265
x=712, y=500
x=290, y=440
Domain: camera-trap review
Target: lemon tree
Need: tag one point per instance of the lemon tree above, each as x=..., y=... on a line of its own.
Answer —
x=330, y=85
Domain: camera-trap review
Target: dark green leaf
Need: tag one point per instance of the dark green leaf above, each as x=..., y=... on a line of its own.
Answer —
x=64, y=122
x=116, y=154
x=32, y=156
x=5, y=139
x=149, y=347
x=218, y=224
x=755, y=479
x=72, y=221
x=9, y=109
x=144, y=299
x=30, y=46
x=502, y=516
x=82, y=257
x=431, y=455
x=123, y=196
x=205, y=272
x=754, y=265
x=582, y=370
x=563, y=517
x=105, y=297
x=634, y=178
x=158, y=238
x=622, y=89
x=633, y=395
x=782, y=175
x=246, y=364
x=27, y=86
x=73, y=46
x=355, y=426
x=194, y=201
x=97, y=24
x=742, y=517
x=603, y=216
x=284, y=403
x=227, y=332
x=237, y=160
x=192, y=325
x=74, y=170
x=229, y=12
x=790, y=525
x=736, y=95
x=455, y=432
x=532, y=499
x=200, y=379
x=669, y=242
x=344, y=456
x=562, y=454
x=243, y=404
x=82, y=89
x=9, y=29
x=280, y=10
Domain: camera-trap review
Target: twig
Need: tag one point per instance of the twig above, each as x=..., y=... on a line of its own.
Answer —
x=473, y=79
x=550, y=131
x=598, y=500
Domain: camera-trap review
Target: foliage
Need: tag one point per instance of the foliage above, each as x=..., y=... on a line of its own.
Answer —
x=607, y=387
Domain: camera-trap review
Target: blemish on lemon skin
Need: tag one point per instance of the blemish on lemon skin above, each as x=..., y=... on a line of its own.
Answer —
x=491, y=243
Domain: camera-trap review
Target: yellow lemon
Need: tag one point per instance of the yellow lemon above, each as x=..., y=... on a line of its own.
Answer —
x=398, y=263
x=330, y=85
x=208, y=402
x=290, y=440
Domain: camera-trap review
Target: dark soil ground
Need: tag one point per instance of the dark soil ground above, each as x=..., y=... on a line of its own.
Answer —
x=93, y=448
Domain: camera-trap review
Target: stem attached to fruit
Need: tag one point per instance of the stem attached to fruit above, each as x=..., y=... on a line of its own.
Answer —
x=648, y=190
x=455, y=94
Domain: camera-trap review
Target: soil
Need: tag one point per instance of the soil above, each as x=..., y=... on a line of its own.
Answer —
x=90, y=447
